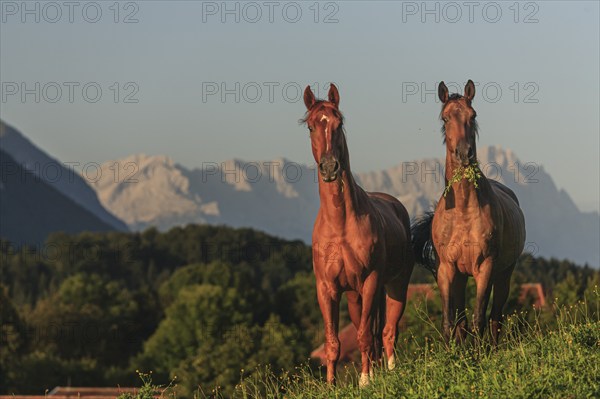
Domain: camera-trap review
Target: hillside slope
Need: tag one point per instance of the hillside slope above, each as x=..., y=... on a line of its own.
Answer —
x=54, y=173
x=30, y=209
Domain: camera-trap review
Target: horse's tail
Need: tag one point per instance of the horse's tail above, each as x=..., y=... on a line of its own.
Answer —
x=422, y=243
x=379, y=324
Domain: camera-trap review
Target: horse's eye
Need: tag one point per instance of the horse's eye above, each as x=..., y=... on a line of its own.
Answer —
x=445, y=119
x=310, y=129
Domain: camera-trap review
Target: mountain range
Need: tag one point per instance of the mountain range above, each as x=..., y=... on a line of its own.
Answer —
x=277, y=196
x=281, y=197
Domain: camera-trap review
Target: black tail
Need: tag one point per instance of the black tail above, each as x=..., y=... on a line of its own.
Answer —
x=422, y=244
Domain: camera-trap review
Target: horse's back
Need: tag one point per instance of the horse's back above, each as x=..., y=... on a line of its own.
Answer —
x=501, y=188
x=385, y=202
x=512, y=215
x=396, y=225
x=507, y=198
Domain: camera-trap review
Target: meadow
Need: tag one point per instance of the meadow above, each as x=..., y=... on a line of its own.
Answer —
x=545, y=354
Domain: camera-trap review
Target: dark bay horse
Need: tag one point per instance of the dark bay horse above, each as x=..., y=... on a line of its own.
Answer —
x=476, y=231
x=361, y=244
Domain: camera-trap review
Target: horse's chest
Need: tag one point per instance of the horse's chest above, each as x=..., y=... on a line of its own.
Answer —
x=464, y=243
x=345, y=265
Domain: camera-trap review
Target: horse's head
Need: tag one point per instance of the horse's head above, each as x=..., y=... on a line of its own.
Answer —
x=325, y=121
x=460, y=126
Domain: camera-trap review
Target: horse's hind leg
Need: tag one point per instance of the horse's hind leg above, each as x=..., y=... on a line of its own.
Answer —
x=501, y=290
x=458, y=292
x=396, y=291
x=354, y=307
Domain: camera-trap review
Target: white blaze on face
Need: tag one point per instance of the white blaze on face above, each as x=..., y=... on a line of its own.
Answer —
x=326, y=119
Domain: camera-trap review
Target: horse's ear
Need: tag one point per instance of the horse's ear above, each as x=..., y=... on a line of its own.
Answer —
x=470, y=90
x=334, y=95
x=309, y=98
x=443, y=92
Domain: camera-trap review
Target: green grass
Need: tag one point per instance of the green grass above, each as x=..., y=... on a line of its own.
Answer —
x=536, y=359
x=533, y=361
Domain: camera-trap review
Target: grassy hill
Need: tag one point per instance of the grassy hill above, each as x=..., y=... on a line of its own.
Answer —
x=533, y=361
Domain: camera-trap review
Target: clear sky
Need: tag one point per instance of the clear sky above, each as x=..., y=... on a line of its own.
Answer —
x=536, y=66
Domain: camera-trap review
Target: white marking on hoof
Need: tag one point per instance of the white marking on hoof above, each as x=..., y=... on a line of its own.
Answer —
x=364, y=380
x=391, y=362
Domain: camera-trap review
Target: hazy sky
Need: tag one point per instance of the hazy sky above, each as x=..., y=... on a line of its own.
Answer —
x=536, y=65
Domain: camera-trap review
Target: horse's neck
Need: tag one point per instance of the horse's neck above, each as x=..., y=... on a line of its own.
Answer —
x=340, y=200
x=465, y=194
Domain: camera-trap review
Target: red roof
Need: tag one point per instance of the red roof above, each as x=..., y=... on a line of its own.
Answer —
x=78, y=392
x=535, y=291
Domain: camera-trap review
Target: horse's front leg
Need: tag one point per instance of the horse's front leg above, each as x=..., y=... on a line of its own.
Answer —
x=329, y=302
x=365, y=335
x=483, y=281
x=445, y=278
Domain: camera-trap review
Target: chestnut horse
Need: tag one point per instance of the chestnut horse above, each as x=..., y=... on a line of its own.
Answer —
x=361, y=244
x=476, y=231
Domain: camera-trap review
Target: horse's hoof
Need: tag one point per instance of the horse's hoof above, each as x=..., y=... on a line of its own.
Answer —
x=391, y=362
x=364, y=380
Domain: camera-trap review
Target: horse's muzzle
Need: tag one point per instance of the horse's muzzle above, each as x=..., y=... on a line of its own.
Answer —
x=465, y=154
x=329, y=168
